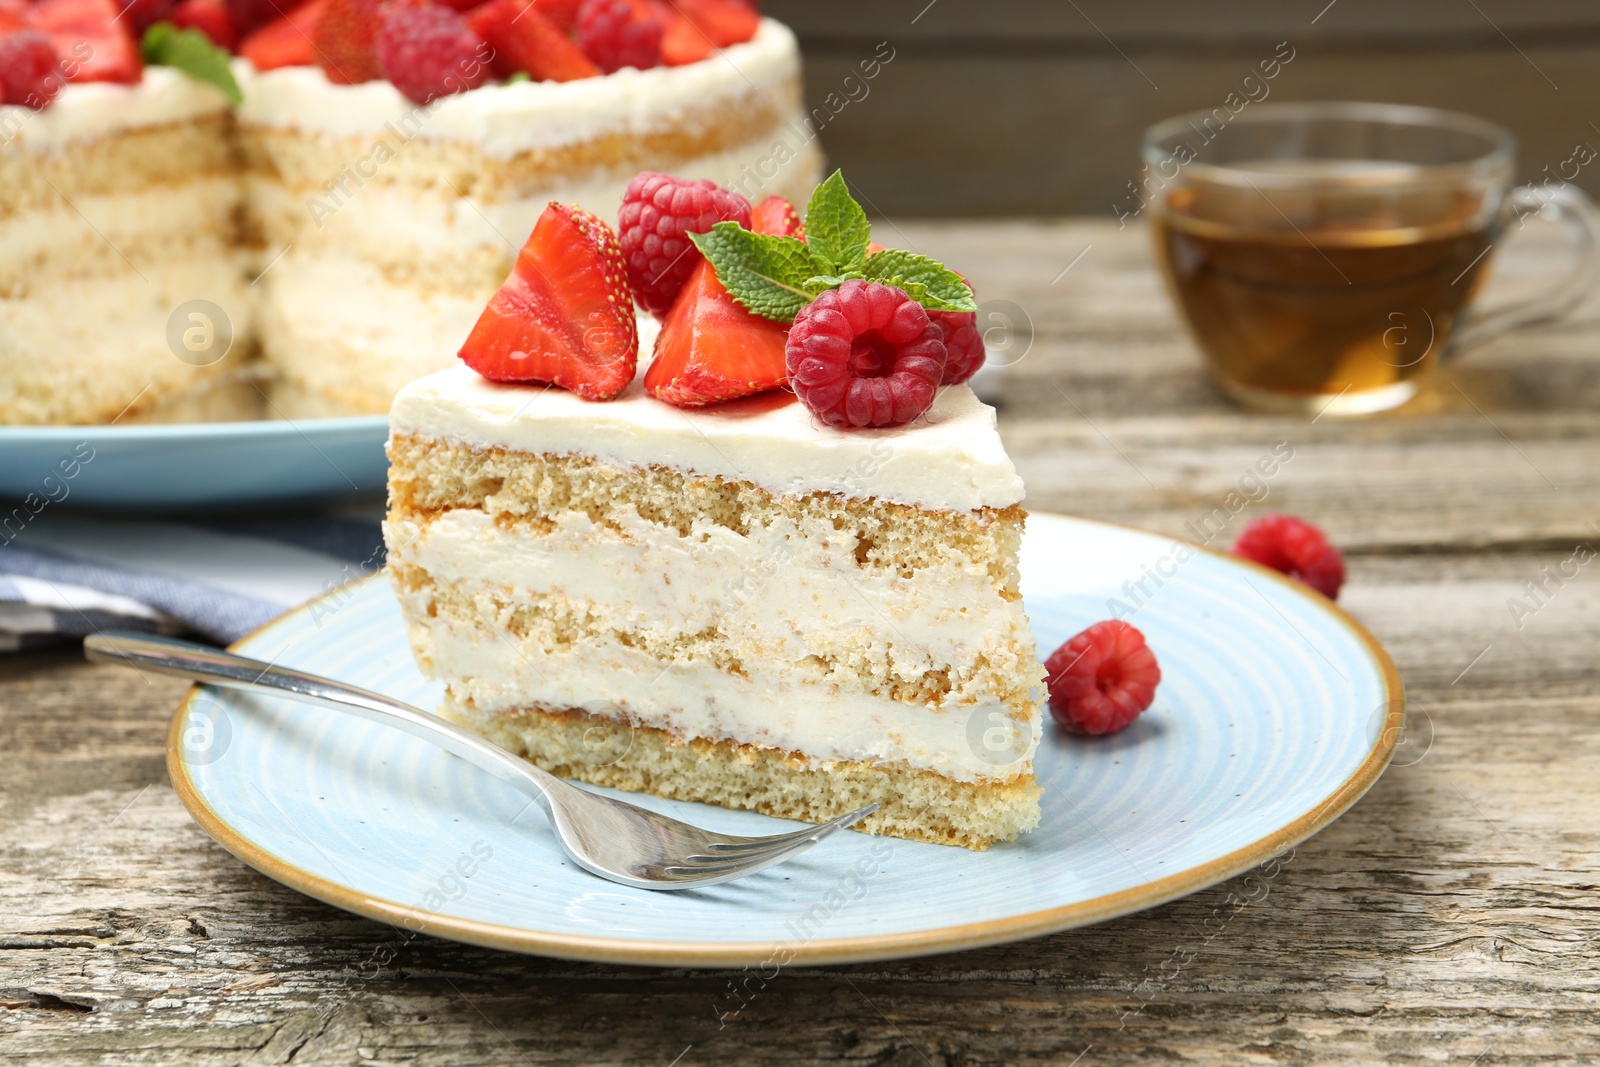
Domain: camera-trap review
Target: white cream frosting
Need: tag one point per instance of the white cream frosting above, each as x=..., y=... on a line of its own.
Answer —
x=83, y=111
x=782, y=610
x=504, y=120
x=950, y=458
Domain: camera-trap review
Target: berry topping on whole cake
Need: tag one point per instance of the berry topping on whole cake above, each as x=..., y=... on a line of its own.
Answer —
x=523, y=39
x=30, y=70
x=565, y=315
x=427, y=50
x=620, y=33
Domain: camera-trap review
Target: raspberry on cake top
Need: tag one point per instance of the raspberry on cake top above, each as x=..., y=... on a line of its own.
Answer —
x=778, y=572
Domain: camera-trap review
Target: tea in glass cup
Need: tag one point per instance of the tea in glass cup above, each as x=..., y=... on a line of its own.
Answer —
x=1326, y=256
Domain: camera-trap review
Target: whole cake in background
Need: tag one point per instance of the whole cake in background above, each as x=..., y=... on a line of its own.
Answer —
x=119, y=198
x=776, y=571
x=355, y=211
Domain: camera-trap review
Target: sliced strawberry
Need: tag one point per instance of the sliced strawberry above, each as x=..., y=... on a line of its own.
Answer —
x=13, y=16
x=723, y=22
x=711, y=349
x=92, y=44
x=347, y=41
x=681, y=42
x=524, y=39
x=564, y=13
x=777, y=216
x=565, y=315
x=211, y=18
x=286, y=42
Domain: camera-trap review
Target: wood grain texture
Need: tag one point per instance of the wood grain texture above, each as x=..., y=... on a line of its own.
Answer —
x=1021, y=107
x=1449, y=917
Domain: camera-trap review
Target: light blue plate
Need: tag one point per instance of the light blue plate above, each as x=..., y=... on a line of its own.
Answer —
x=194, y=465
x=1275, y=713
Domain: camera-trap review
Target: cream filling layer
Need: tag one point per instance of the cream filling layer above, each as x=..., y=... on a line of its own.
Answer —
x=785, y=596
x=386, y=214
x=949, y=458
x=189, y=211
x=83, y=111
x=772, y=709
x=505, y=120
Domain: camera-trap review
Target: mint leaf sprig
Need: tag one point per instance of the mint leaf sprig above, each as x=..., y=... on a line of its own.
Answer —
x=775, y=277
x=189, y=50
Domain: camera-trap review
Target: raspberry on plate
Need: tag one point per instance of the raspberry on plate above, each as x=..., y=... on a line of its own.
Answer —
x=658, y=213
x=620, y=33
x=427, y=50
x=565, y=315
x=865, y=354
x=1296, y=548
x=30, y=70
x=1102, y=679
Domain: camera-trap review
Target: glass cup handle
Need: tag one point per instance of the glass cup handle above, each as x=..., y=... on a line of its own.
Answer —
x=1568, y=205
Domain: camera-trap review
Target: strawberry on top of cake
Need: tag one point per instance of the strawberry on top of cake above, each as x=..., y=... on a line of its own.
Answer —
x=751, y=299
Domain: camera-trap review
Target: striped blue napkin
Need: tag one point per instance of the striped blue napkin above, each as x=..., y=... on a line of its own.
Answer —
x=66, y=576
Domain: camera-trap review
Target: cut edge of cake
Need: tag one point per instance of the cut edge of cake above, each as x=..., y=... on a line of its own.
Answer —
x=478, y=528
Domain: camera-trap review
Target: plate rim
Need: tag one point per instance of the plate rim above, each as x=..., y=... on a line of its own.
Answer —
x=164, y=432
x=957, y=938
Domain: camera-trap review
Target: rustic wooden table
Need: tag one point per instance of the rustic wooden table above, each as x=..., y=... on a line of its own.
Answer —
x=1450, y=916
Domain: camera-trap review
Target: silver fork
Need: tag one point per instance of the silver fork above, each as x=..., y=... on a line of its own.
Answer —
x=618, y=841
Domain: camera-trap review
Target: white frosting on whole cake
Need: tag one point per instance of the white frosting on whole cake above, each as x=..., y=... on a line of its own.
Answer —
x=950, y=458
x=84, y=111
x=504, y=120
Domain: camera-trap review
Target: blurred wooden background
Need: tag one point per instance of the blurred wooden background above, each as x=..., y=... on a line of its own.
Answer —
x=1034, y=107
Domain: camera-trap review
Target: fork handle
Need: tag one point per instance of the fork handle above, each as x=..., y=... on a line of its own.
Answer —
x=202, y=663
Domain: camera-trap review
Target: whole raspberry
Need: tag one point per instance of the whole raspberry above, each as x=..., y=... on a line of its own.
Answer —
x=865, y=354
x=30, y=69
x=1296, y=548
x=658, y=213
x=962, y=341
x=427, y=51
x=1102, y=679
x=620, y=33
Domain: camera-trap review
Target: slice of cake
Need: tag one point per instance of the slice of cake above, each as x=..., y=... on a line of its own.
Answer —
x=796, y=602
x=725, y=605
